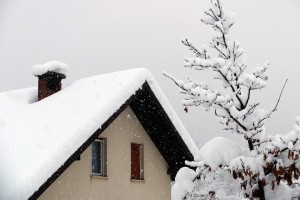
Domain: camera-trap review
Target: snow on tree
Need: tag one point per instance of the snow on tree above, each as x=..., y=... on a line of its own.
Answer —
x=272, y=162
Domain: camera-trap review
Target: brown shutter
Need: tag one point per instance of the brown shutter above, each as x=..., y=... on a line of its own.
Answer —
x=135, y=161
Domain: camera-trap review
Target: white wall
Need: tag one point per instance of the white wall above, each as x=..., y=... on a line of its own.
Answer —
x=77, y=183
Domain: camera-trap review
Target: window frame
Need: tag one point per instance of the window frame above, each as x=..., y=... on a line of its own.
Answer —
x=102, y=159
x=140, y=162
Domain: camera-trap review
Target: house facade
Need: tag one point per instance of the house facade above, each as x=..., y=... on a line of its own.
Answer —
x=79, y=181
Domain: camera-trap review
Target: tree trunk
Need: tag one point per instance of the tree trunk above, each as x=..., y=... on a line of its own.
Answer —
x=251, y=147
x=261, y=192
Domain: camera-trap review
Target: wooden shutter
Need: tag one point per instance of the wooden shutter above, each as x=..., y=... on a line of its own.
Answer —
x=135, y=161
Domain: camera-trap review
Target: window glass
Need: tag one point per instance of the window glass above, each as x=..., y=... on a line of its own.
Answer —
x=99, y=157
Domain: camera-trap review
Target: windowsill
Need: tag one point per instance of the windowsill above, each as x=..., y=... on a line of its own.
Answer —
x=98, y=176
x=137, y=180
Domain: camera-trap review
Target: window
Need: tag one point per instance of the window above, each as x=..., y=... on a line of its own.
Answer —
x=137, y=161
x=99, y=157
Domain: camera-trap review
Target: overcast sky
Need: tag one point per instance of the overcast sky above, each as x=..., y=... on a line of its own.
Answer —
x=100, y=36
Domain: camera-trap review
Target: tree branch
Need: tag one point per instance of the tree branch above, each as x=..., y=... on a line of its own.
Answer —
x=234, y=119
x=275, y=107
x=248, y=97
x=194, y=48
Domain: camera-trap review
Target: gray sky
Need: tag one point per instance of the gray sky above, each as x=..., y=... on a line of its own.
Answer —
x=100, y=36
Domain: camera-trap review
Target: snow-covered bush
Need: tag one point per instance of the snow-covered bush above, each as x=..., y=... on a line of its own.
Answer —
x=271, y=163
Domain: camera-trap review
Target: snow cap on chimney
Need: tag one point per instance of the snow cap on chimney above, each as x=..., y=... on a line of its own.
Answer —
x=52, y=66
x=50, y=75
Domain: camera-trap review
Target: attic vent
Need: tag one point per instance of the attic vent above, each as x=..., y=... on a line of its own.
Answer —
x=50, y=75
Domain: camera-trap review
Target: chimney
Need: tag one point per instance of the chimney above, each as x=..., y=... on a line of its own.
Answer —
x=50, y=75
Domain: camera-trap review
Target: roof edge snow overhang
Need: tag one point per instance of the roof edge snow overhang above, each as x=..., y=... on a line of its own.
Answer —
x=158, y=126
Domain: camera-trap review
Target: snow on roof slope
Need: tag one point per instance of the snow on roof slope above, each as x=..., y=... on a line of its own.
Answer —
x=11, y=101
x=34, y=144
x=52, y=66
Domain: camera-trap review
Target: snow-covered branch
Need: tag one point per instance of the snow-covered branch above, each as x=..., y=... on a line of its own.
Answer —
x=201, y=53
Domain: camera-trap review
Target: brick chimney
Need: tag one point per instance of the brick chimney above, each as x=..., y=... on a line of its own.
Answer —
x=50, y=75
x=49, y=84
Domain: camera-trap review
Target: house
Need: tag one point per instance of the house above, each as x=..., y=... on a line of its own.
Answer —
x=112, y=136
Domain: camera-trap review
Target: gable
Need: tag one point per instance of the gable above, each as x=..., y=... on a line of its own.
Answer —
x=77, y=181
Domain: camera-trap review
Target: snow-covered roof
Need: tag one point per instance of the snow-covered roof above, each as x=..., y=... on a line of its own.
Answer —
x=38, y=137
x=52, y=66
